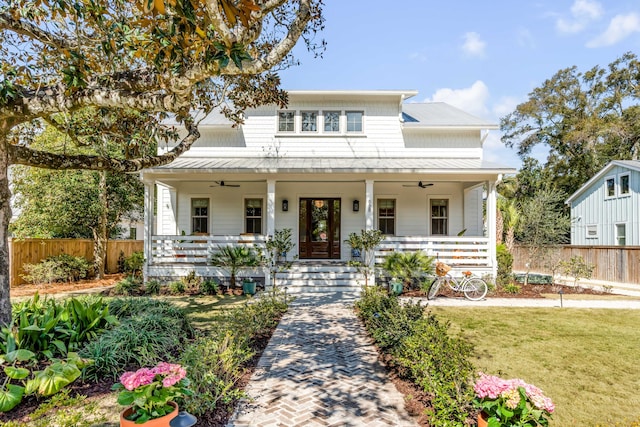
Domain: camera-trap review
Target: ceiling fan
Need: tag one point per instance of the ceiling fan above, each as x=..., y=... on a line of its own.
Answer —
x=223, y=184
x=420, y=184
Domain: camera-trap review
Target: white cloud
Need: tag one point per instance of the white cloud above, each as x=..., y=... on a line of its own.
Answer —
x=505, y=106
x=620, y=27
x=473, y=45
x=525, y=38
x=472, y=99
x=583, y=12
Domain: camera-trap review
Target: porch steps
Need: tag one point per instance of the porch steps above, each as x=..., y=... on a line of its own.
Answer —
x=320, y=277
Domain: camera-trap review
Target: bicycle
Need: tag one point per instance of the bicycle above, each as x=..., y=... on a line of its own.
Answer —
x=474, y=288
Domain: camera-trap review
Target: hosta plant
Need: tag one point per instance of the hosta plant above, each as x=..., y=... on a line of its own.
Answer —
x=512, y=403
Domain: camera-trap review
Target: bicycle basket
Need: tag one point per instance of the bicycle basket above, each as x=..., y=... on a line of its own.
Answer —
x=442, y=269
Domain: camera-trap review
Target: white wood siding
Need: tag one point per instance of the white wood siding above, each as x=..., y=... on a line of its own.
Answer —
x=593, y=208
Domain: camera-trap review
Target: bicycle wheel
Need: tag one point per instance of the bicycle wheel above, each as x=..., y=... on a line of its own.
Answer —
x=434, y=288
x=475, y=289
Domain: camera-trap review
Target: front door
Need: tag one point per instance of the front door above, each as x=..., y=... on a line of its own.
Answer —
x=319, y=235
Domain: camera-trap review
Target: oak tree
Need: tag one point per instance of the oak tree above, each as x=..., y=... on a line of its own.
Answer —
x=155, y=56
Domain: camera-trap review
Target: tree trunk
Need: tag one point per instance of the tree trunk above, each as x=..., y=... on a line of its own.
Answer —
x=100, y=236
x=5, y=217
x=499, y=226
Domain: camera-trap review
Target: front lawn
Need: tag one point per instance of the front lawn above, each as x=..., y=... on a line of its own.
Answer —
x=585, y=360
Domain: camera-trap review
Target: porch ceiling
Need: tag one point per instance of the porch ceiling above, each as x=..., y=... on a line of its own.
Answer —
x=442, y=166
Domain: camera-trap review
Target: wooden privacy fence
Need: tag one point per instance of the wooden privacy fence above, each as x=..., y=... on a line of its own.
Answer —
x=619, y=264
x=32, y=251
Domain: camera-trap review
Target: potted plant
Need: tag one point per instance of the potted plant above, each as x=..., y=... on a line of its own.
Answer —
x=248, y=286
x=355, y=242
x=234, y=259
x=275, y=254
x=510, y=403
x=366, y=242
x=406, y=265
x=150, y=394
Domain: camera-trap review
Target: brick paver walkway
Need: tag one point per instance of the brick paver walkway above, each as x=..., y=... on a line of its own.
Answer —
x=320, y=369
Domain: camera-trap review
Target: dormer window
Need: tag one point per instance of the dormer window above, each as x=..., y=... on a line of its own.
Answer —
x=309, y=121
x=286, y=121
x=332, y=121
x=354, y=121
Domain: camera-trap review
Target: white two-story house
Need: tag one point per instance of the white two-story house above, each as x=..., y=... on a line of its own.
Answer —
x=331, y=163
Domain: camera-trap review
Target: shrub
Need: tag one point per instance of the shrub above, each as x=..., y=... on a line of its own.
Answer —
x=133, y=263
x=577, y=268
x=210, y=287
x=177, y=287
x=422, y=351
x=130, y=285
x=59, y=268
x=152, y=287
x=511, y=288
x=505, y=265
x=150, y=331
x=191, y=283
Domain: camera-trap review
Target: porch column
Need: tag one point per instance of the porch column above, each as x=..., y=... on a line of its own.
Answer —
x=369, y=225
x=148, y=227
x=368, y=204
x=271, y=220
x=491, y=225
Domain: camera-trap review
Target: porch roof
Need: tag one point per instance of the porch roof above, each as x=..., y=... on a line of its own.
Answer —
x=331, y=165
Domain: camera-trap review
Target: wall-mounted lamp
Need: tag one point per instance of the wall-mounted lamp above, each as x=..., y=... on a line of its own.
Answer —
x=285, y=205
x=356, y=205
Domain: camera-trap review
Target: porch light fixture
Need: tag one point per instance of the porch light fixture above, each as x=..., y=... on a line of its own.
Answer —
x=356, y=205
x=285, y=205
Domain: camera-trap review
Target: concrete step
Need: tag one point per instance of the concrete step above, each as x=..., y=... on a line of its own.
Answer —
x=329, y=275
x=295, y=289
x=320, y=282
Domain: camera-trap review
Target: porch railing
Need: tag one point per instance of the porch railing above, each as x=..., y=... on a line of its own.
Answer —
x=455, y=251
x=197, y=249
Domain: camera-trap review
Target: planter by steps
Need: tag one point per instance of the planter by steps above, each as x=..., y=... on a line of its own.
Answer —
x=248, y=287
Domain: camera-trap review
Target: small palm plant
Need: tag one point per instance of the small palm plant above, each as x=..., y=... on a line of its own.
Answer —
x=408, y=266
x=234, y=259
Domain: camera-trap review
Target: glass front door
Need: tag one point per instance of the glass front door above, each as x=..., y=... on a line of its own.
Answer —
x=319, y=235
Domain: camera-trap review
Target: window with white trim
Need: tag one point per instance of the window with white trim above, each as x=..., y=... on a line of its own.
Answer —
x=332, y=121
x=286, y=121
x=387, y=216
x=621, y=234
x=610, y=187
x=199, y=215
x=309, y=121
x=592, y=231
x=439, y=217
x=623, y=182
x=354, y=121
x=253, y=216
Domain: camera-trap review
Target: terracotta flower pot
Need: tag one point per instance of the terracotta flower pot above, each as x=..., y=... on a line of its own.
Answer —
x=156, y=422
x=482, y=420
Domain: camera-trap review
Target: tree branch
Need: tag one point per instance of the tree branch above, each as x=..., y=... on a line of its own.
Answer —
x=22, y=155
x=7, y=22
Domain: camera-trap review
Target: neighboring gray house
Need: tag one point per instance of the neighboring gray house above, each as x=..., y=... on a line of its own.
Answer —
x=606, y=210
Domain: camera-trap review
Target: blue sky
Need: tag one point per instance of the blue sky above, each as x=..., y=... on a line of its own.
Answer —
x=483, y=57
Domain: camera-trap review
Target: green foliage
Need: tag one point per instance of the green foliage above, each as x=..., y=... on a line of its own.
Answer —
x=366, y=242
x=150, y=331
x=234, y=259
x=511, y=288
x=423, y=352
x=408, y=266
x=50, y=328
x=152, y=287
x=275, y=254
x=21, y=381
x=191, y=283
x=210, y=287
x=577, y=268
x=505, y=264
x=133, y=263
x=59, y=268
x=130, y=285
x=177, y=287
x=215, y=363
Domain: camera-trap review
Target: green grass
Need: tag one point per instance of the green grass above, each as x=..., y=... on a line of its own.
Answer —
x=203, y=311
x=585, y=360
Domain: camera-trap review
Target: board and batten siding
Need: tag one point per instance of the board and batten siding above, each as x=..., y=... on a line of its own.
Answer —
x=593, y=208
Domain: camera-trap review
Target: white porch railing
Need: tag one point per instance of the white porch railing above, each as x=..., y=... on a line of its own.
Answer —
x=196, y=249
x=455, y=251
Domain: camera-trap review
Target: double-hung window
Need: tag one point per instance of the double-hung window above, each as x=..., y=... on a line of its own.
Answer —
x=439, y=217
x=199, y=215
x=253, y=216
x=354, y=121
x=387, y=216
